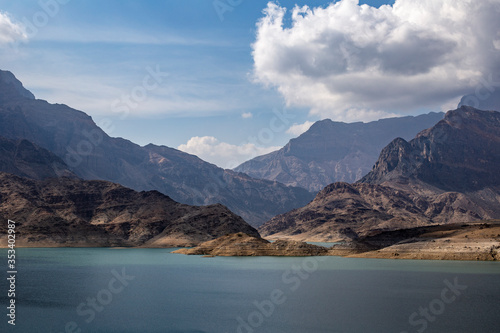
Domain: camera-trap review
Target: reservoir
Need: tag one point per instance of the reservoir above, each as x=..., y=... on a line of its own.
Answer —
x=103, y=290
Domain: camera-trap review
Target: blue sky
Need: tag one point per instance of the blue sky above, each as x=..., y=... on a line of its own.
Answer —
x=89, y=54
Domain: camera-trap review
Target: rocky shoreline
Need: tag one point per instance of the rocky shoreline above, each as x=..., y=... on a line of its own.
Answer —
x=468, y=242
x=240, y=244
x=479, y=241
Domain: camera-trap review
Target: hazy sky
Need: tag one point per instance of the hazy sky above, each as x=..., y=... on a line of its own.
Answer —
x=231, y=79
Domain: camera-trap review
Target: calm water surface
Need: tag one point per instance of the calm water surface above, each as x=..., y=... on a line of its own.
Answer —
x=152, y=290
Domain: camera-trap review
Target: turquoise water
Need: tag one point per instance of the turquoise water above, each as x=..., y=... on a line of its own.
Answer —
x=324, y=244
x=77, y=290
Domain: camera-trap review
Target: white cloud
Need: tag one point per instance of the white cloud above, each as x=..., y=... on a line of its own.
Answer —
x=298, y=129
x=10, y=31
x=223, y=154
x=347, y=58
x=247, y=115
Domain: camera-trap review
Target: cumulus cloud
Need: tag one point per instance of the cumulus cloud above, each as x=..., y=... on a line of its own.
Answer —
x=298, y=129
x=348, y=61
x=247, y=115
x=223, y=154
x=9, y=30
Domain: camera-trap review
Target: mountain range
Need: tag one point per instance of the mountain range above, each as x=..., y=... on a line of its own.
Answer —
x=334, y=151
x=91, y=154
x=446, y=174
x=69, y=184
x=53, y=207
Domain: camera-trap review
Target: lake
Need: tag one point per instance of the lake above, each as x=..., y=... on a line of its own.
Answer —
x=151, y=290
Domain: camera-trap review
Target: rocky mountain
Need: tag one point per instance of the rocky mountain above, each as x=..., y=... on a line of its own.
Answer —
x=73, y=212
x=447, y=174
x=461, y=153
x=334, y=151
x=26, y=159
x=91, y=154
x=347, y=211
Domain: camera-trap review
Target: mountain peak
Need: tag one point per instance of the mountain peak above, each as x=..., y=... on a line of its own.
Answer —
x=467, y=114
x=334, y=151
x=11, y=88
x=465, y=145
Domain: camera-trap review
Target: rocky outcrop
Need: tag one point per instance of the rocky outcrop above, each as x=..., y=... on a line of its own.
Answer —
x=334, y=151
x=91, y=154
x=241, y=244
x=447, y=174
x=72, y=212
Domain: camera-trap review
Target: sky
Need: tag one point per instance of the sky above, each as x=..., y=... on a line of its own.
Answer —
x=229, y=80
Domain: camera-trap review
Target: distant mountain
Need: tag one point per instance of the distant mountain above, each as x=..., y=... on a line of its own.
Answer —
x=334, y=151
x=72, y=212
x=91, y=154
x=26, y=159
x=447, y=174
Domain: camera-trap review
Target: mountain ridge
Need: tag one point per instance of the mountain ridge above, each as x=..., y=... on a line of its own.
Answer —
x=62, y=212
x=90, y=153
x=427, y=157
x=334, y=151
x=413, y=184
